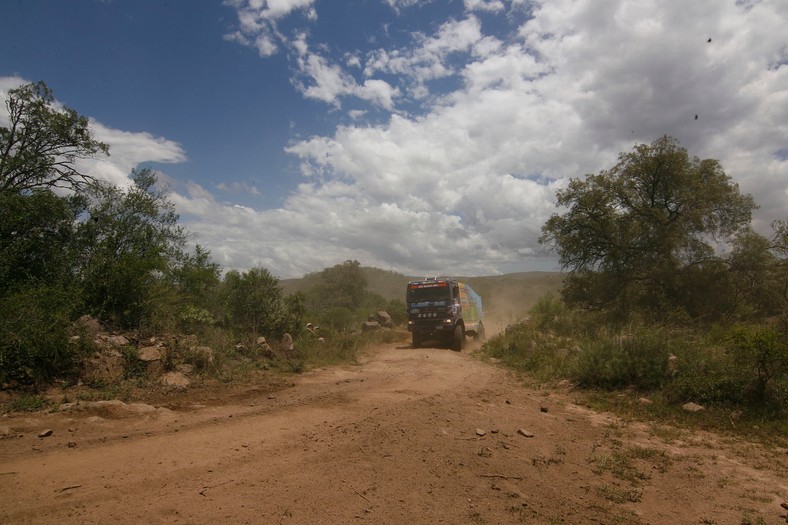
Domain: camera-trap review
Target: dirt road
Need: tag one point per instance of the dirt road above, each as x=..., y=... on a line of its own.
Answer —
x=406, y=436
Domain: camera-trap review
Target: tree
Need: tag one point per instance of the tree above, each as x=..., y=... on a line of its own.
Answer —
x=129, y=241
x=779, y=245
x=41, y=144
x=254, y=301
x=38, y=294
x=756, y=276
x=632, y=233
x=196, y=277
x=342, y=286
x=37, y=239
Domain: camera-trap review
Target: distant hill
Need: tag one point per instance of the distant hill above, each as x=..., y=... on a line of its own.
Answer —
x=506, y=298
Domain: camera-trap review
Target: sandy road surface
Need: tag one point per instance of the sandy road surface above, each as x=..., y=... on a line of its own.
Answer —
x=406, y=436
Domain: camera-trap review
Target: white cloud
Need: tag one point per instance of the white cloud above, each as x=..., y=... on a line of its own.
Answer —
x=330, y=83
x=464, y=183
x=474, y=178
x=257, y=22
x=429, y=59
x=238, y=188
x=127, y=149
x=484, y=5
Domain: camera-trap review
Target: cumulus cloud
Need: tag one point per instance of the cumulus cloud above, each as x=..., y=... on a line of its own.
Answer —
x=127, y=149
x=450, y=157
x=429, y=58
x=258, y=19
x=471, y=181
x=237, y=188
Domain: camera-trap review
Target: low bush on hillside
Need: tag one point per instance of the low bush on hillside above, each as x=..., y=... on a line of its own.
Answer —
x=740, y=366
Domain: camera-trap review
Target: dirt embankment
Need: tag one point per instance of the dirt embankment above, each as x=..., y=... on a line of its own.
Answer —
x=406, y=436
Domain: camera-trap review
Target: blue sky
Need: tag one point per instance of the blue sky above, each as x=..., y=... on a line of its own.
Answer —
x=417, y=136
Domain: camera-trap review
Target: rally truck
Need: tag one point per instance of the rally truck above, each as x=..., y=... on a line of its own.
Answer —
x=444, y=309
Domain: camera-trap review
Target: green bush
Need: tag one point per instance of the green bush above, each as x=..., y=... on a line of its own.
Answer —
x=34, y=336
x=761, y=352
x=526, y=348
x=638, y=360
x=706, y=375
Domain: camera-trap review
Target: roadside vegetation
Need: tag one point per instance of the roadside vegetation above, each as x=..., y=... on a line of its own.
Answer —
x=73, y=247
x=669, y=295
x=652, y=306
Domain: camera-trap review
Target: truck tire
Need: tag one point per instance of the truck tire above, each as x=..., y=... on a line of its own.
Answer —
x=458, y=338
x=416, y=340
x=479, y=332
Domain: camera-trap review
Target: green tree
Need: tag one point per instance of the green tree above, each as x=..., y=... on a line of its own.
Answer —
x=340, y=299
x=779, y=246
x=196, y=277
x=254, y=302
x=756, y=274
x=130, y=238
x=39, y=147
x=342, y=286
x=37, y=239
x=632, y=234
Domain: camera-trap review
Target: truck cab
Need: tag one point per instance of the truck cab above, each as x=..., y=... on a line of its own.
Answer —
x=443, y=309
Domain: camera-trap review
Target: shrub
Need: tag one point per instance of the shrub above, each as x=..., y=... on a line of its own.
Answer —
x=34, y=335
x=705, y=374
x=639, y=360
x=762, y=353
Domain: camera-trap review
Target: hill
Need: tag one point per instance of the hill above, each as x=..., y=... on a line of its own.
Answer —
x=506, y=298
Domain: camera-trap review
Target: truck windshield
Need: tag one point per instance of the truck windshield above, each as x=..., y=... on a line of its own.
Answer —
x=428, y=294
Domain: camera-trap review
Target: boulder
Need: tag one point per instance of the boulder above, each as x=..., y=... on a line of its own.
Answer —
x=200, y=356
x=263, y=348
x=692, y=407
x=287, y=342
x=104, y=367
x=117, y=340
x=149, y=353
x=89, y=324
x=153, y=358
x=384, y=319
x=370, y=325
x=176, y=380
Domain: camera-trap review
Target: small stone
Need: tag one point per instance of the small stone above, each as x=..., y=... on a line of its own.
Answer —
x=645, y=401
x=480, y=432
x=46, y=433
x=525, y=433
x=543, y=408
x=72, y=444
x=692, y=407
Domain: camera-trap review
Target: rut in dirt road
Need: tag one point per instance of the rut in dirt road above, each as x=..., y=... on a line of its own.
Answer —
x=406, y=436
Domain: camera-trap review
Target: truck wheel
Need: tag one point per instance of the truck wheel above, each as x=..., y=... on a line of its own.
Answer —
x=416, y=340
x=479, y=332
x=458, y=338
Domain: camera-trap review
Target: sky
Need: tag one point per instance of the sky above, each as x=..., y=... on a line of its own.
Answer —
x=420, y=136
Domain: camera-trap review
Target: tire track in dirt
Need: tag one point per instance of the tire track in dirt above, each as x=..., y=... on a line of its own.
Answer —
x=405, y=436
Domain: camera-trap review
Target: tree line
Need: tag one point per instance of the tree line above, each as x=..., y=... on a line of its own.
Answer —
x=72, y=245
x=661, y=237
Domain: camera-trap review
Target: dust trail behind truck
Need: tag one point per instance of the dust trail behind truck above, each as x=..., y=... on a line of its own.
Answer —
x=443, y=309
